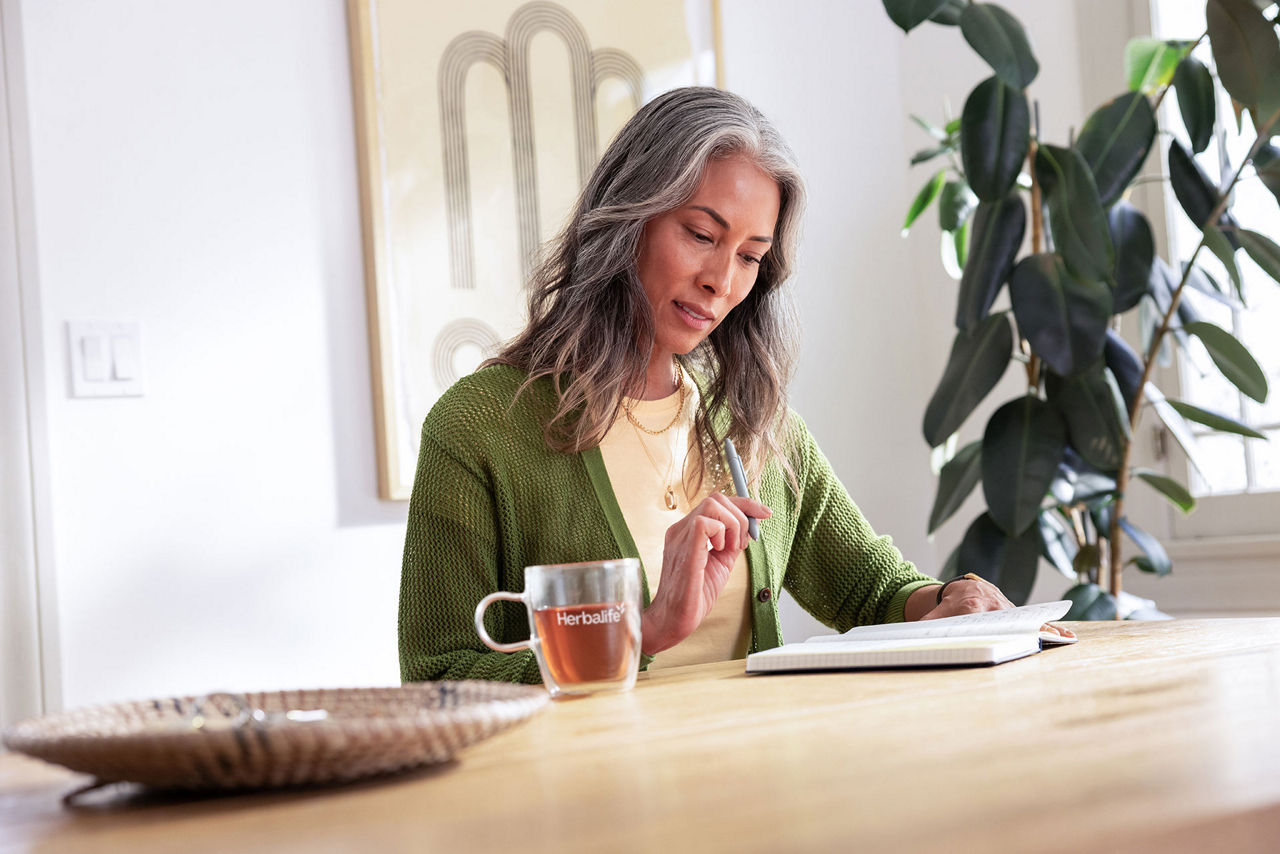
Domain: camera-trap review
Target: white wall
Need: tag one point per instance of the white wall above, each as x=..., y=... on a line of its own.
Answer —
x=194, y=168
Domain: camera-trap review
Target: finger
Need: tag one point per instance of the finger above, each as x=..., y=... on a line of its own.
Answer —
x=748, y=506
x=717, y=506
x=724, y=509
x=714, y=530
x=1057, y=630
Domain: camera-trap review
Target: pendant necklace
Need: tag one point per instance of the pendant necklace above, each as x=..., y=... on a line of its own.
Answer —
x=669, y=494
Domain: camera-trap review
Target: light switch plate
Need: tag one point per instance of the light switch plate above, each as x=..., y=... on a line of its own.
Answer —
x=105, y=358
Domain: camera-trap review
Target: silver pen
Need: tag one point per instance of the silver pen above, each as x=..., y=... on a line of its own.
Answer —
x=740, y=483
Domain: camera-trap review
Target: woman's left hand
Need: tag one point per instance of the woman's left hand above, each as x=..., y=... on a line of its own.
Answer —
x=965, y=596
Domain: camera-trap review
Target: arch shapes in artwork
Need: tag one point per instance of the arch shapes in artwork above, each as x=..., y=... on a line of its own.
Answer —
x=460, y=54
x=607, y=62
x=453, y=337
x=510, y=55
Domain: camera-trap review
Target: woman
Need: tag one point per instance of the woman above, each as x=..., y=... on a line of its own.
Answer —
x=657, y=326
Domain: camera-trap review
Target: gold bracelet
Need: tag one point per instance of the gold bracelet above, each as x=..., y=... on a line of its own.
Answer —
x=968, y=576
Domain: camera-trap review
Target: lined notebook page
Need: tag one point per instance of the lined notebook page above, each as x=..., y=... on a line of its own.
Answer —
x=1024, y=620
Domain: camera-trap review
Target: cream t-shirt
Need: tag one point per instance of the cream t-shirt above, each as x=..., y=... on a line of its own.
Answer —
x=639, y=482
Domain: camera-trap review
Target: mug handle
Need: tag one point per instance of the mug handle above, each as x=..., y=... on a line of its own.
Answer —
x=484, y=635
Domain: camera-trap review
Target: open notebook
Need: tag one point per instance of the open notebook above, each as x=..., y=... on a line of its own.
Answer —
x=990, y=637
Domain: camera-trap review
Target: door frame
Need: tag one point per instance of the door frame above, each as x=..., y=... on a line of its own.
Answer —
x=30, y=670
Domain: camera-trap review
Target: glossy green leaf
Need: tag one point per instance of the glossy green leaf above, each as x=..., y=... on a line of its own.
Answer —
x=1202, y=281
x=998, y=38
x=1125, y=366
x=1232, y=358
x=995, y=133
x=1191, y=186
x=1058, y=542
x=956, y=480
x=1076, y=482
x=950, y=257
x=1087, y=560
x=997, y=230
x=1064, y=317
x=1264, y=252
x=1247, y=55
x=1149, y=64
x=924, y=155
x=1009, y=562
x=1161, y=288
x=1134, y=248
x=1196, y=102
x=1198, y=279
x=909, y=14
x=1091, y=407
x=1117, y=403
x=1266, y=162
x=1115, y=141
x=1214, y=420
x=930, y=128
x=1090, y=602
x=960, y=239
x=1100, y=514
x=1021, y=448
x=949, y=14
x=1076, y=218
x=924, y=198
x=1237, y=110
x=1178, y=429
x=1149, y=322
x=1060, y=489
x=978, y=360
x=1169, y=488
x=955, y=204
x=1156, y=559
x=1216, y=242
x=1196, y=193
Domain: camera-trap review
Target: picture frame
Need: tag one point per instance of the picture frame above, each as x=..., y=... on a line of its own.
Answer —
x=476, y=125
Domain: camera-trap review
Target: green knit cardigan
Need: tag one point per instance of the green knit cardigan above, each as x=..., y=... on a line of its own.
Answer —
x=490, y=498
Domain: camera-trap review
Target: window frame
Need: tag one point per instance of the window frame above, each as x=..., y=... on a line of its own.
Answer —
x=1249, y=514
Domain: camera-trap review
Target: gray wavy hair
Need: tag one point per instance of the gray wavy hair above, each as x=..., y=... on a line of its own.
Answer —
x=590, y=325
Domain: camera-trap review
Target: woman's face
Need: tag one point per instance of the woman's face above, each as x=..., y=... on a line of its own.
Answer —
x=699, y=261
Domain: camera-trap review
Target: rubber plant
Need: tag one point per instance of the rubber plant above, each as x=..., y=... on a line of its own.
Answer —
x=1055, y=462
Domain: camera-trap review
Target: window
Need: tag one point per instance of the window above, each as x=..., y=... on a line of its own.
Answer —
x=1237, y=480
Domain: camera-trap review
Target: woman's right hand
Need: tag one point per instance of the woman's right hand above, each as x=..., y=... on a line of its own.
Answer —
x=697, y=555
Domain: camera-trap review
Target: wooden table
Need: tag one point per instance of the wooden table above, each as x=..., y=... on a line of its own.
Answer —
x=1142, y=737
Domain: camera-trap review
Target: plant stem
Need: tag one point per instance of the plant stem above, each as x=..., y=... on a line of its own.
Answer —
x=1105, y=571
x=1135, y=411
x=1037, y=246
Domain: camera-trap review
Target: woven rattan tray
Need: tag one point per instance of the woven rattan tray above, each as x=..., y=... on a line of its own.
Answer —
x=278, y=738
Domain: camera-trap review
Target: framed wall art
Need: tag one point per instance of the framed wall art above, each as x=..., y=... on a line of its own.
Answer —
x=477, y=125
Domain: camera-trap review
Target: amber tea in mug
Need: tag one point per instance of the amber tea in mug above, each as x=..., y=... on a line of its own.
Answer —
x=584, y=622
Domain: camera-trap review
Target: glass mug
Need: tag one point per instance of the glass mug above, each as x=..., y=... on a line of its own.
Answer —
x=584, y=624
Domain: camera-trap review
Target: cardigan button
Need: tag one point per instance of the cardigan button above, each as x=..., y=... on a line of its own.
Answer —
x=764, y=595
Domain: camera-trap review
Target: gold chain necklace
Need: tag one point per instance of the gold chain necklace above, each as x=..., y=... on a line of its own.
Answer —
x=669, y=493
x=680, y=388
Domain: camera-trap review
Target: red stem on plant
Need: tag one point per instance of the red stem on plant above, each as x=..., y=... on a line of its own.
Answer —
x=1037, y=245
x=1135, y=411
